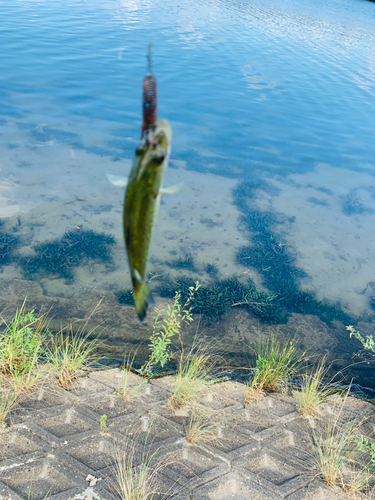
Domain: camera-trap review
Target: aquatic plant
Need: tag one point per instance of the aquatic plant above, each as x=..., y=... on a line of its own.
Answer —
x=8, y=243
x=211, y=268
x=70, y=351
x=23, y=341
x=274, y=260
x=60, y=256
x=125, y=297
x=353, y=206
x=275, y=365
x=187, y=262
x=214, y=301
x=166, y=328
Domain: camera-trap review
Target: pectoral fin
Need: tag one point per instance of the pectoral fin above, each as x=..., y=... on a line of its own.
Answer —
x=117, y=180
x=171, y=189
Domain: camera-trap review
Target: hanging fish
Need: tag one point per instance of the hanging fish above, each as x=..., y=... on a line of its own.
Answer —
x=142, y=197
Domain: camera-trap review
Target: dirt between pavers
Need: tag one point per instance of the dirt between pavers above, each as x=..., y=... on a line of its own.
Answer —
x=65, y=445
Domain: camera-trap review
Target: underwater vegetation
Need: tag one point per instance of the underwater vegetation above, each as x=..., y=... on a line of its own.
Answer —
x=211, y=268
x=274, y=260
x=354, y=206
x=214, y=301
x=60, y=256
x=8, y=243
x=125, y=297
x=187, y=262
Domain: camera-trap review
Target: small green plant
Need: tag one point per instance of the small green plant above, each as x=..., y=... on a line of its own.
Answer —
x=369, y=447
x=313, y=391
x=69, y=351
x=165, y=329
x=275, y=365
x=103, y=423
x=367, y=342
x=22, y=342
x=193, y=375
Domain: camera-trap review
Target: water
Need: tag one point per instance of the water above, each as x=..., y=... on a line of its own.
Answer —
x=272, y=112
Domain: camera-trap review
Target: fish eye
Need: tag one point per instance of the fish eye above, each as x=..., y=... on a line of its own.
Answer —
x=159, y=156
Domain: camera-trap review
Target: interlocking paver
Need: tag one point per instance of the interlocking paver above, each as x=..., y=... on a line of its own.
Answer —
x=272, y=472
x=18, y=442
x=41, y=479
x=65, y=424
x=262, y=450
x=191, y=467
x=94, y=455
x=231, y=486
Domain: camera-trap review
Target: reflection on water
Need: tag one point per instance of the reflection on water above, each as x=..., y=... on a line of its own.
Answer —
x=272, y=112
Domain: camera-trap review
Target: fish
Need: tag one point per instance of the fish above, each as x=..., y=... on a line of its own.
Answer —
x=142, y=199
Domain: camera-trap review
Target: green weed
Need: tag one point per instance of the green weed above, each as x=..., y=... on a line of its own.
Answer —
x=275, y=365
x=313, y=391
x=69, y=351
x=166, y=328
x=23, y=341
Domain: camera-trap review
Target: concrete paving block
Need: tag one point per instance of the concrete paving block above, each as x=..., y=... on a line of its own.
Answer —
x=94, y=455
x=231, y=486
x=316, y=491
x=214, y=401
x=85, y=386
x=62, y=425
x=231, y=443
x=7, y=494
x=108, y=404
x=162, y=487
x=45, y=478
x=18, y=444
x=154, y=430
x=167, y=383
x=190, y=467
x=38, y=402
x=295, y=447
x=258, y=425
x=272, y=472
x=114, y=377
x=230, y=390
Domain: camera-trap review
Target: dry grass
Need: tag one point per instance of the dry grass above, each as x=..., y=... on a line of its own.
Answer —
x=313, y=391
x=193, y=375
x=137, y=471
x=202, y=429
x=70, y=352
x=337, y=455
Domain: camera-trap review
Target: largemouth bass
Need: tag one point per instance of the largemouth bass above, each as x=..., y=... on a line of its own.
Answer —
x=141, y=205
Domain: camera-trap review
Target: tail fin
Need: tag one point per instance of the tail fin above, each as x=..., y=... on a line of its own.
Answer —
x=142, y=300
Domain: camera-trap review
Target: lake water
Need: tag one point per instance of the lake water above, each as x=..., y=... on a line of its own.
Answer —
x=272, y=110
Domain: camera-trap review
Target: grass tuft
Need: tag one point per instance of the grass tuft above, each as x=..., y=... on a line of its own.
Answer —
x=193, y=375
x=136, y=472
x=69, y=351
x=201, y=429
x=313, y=391
x=275, y=365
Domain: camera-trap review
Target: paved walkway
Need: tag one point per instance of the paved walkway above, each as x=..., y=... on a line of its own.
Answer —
x=55, y=448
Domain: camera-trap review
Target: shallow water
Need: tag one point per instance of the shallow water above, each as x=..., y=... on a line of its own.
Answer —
x=280, y=97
